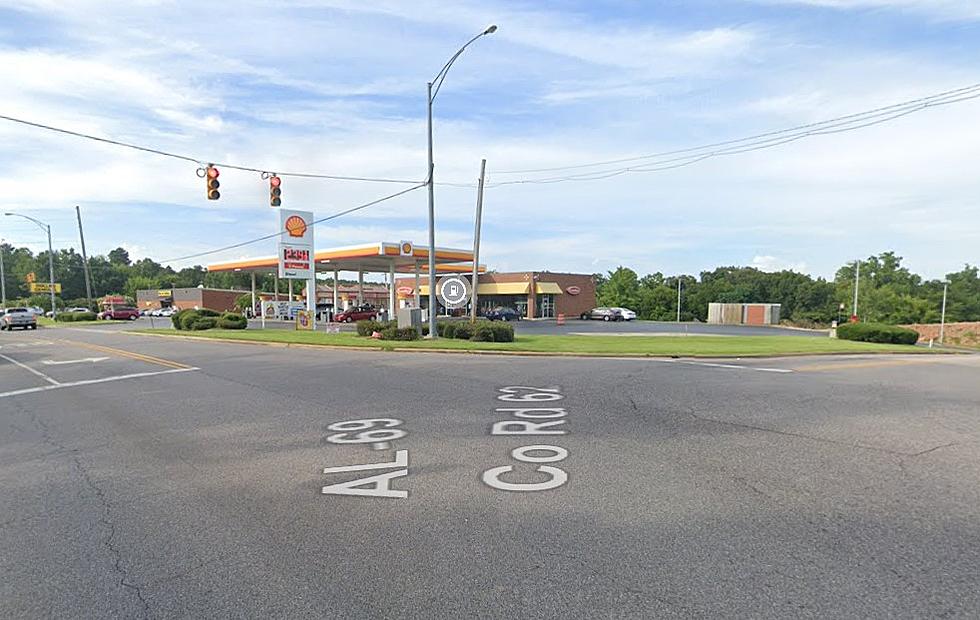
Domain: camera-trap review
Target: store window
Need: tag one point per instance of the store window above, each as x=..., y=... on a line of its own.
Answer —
x=545, y=306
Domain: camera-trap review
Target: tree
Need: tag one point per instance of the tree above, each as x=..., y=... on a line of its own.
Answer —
x=119, y=256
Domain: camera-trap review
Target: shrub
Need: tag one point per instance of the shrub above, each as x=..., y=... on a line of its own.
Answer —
x=448, y=329
x=877, y=332
x=203, y=322
x=463, y=331
x=396, y=333
x=483, y=332
x=177, y=317
x=502, y=332
x=208, y=312
x=230, y=320
x=186, y=318
x=368, y=327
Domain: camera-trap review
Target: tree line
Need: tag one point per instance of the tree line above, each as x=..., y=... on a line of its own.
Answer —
x=112, y=274
x=888, y=293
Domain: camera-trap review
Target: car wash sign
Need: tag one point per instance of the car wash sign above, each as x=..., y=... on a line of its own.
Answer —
x=295, y=244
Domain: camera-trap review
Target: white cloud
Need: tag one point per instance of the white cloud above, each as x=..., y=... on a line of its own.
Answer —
x=941, y=9
x=771, y=263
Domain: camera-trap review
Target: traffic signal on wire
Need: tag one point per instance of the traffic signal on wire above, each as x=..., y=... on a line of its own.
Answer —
x=275, y=191
x=211, y=178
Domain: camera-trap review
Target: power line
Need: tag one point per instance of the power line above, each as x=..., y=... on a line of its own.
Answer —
x=202, y=162
x=277, y=234
x=920, y=103
x=759, y=142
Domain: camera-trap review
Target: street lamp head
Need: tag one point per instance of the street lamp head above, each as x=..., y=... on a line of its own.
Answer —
x=492, y=28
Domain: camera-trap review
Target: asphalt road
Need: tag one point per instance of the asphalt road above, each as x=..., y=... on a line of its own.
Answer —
x=176, y=478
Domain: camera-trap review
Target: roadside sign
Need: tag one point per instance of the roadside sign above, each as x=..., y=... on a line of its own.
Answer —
x=295, y=244
x=281, y=309
x=45, y=287
x=30, y=278
x=453, y=291
x=304, y=320
x=165, y=293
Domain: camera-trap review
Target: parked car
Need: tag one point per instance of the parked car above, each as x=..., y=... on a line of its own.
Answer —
x=628, y=315
x=357, y=313
x=165, y=312
x=35, y=310
x=76, y=309
x=603, y=314
x=119, y=313
x=502, y=313
x=18, y=317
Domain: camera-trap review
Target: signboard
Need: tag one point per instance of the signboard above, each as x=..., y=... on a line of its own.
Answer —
x=165, y=293
x=573, y=290
x=405, y=291
x=295, y=244
x=30, y=278
x=44, y=287
x=453, y=291
x=304, y=320
x=405, y=248
x=281, y=309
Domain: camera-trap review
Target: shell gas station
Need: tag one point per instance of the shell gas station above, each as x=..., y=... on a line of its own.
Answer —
x=404, y=267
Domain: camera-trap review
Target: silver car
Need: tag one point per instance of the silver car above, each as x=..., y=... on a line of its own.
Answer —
x=603, y=314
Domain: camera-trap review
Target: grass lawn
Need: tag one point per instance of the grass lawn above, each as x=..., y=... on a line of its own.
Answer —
x=687, y=346
x=46, y=322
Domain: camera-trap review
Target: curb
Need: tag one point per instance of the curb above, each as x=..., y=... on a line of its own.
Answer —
x=300, y=345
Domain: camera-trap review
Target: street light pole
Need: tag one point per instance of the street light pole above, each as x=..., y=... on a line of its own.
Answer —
x=476, y=239
x=678, y=299
x=431, y=95
x=857, y=279
x=47, y=229
x=3, y=280
x=942, y=319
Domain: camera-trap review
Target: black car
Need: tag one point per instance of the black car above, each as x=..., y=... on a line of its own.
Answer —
x=503, y=314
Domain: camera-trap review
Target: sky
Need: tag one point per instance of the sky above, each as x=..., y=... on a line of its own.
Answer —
x=338, y=87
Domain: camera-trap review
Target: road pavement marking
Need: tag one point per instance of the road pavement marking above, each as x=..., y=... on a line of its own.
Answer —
x=57, y=386
x=31, y=370
x=131, y=355
x=91, y=360
x=863, y=364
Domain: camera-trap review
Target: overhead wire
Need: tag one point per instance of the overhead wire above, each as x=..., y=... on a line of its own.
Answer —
x=855, y=116
x=203, y=162
x=762, y=141
x=280, y=233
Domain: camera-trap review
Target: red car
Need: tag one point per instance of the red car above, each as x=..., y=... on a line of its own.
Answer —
x=356, y=314
x=119, y=313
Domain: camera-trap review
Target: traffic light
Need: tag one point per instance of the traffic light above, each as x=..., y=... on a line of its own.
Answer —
x=211, y=178
x=275, y=191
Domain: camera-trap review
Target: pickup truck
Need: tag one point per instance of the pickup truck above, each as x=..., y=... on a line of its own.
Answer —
x=17, y=317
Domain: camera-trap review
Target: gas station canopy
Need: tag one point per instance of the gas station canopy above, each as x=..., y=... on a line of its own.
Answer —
x=381, y=257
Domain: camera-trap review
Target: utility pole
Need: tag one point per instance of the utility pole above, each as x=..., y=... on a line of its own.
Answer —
x=857, y=279
x=942, y=320
x=88, y=276
x=678, y=299
x=3, y=280
x=476, y=238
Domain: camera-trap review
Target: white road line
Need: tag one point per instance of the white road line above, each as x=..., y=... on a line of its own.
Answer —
x=46, y=388
x=29, y=369
x=696, y=363
x=91, y=360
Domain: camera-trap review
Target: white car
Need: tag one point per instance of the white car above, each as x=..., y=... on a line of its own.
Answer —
x=628, y=315
x=76, y=309
x=166, y=312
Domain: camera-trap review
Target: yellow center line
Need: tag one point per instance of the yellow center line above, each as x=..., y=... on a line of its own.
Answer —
x=129, y=354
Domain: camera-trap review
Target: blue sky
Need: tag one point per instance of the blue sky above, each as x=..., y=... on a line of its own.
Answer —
x=339, y=87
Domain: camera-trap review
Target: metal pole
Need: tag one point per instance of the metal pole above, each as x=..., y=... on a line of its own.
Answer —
x=336, y=284
x=942, y=320
x=253, y=296
x=3, y=280
x=88, y=275
x=432, y=226
x=857, y=279
x=54, y=311
x=360, y=287
x=290, y=285
x=276, y=278
x=391, y=291
x=418, y=300
x=678, y=299
x=476, y=239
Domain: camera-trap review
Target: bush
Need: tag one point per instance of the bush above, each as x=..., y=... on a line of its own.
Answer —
x=203, y=322
x=208, y=312
x=448, y=329
x=71, y=317
x=394, y=333
x=186, y=318
x=482, y=332
x=877, y=332
x=368, y=327
x=502, y=332
x=463, y=331
x=230, y=320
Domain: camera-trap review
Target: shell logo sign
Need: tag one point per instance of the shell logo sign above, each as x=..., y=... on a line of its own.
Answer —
x=295, y=226
x=405, y=248
x=573, y=290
